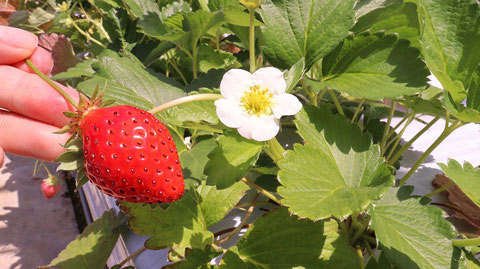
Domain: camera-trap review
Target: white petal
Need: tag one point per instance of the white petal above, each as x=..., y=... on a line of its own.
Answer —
x=270, y=78
x=261, y=128
x=433, y=81
x=234, y=83
x=285, y=104
x=230, y=114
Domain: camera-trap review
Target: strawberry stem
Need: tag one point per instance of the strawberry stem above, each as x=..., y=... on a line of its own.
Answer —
x=262, y=190
x=51, y=83
x=185, y=100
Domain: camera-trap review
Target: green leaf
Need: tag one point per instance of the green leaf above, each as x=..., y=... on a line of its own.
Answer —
x=280, y=240
x=104, y=4
x=466, y=177
x=450, y=38
x=381, y=263
x=185, y=222
x=337, y=172
x=221, y=4
x=375, y=66
x=236, y=15
x=81, y=69
x=142, y=7
x=231, y=160
x=193, y=161
x=129, y=82
x=412, y=234
x=210, y=58
x=196, y=258
x=399, y=18
x=93, y=246
x=473, y=97
x=199, y=115
x=466, y=114
x=294, y=74
x=309, y=29
x=365, y=6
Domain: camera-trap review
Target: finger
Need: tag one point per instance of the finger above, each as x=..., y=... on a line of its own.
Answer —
x=26, y=137
x=2, y=156
x=16, y=44
x=29, y=95
x=41, y=58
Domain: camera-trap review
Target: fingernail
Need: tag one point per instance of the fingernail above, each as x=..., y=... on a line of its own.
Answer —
x=17, y=38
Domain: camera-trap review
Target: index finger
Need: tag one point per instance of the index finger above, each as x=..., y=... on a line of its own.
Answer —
x=28, y=95
x=16, y=44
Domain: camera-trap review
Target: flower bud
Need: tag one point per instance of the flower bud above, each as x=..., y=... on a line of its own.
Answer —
x=251, y=4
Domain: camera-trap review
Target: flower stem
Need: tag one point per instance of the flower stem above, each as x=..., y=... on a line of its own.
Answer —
x=275, y=149
x=409, y=143
x=387, y=128
x=51, y=83
x=357, y=110
x=439, y=190
x=132, y=256
x=336, y=102
x=244, y=220
x=251, y=41
x=194, y=60
x=262, y=190
x=185, y=100
x=466, y=242
x=396, y=140
x=435, y=144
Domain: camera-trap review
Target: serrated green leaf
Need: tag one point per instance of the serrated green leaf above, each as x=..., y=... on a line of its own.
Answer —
x=473, y=97
x=375, y=66
x=199, y=115
x=93, y=246
x=142, y=7
x=466, y=177
x=81, y=69
x=294, y=74
x=309, y=29
x=450, y=37
x=185, y=222
x=231, y=160
x=465, y=114
x=412, y=234
x=193, y=161
x=236, y=15
x=221, y=4
x=399, y=18
x=210, y=58
x=366, y=6
x=279, y=240
x=196, y=258
x=381, y=263
x=128, y=82
x=337, y=172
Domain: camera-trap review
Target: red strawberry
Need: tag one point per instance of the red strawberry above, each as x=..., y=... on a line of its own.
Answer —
x=130, y=155
x=50, y=187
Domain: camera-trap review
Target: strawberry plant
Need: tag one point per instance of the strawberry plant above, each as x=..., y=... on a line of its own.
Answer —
x=278, y=112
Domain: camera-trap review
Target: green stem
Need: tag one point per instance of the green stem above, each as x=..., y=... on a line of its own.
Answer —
x=343, y=227
x=409, y=143
x=396, y=140
x=51, y=83
x=275, y=149
x=466, y=242
x=262, y=190
x=357, y=110
x=87, y=35
x=244, y=220
x=251, y=40
x=360, y=256
x=311, y=95
x=435, y=144
x=387, y=128
x=392, y=130
x=132, y=256
x=336, y=102
x=360, y=230
x=175, y=66
x=185, y=100
x=194, y=60
x=439, y=190
x=369, y=239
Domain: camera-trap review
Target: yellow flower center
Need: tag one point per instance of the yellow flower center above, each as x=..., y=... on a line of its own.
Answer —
x=257, y=101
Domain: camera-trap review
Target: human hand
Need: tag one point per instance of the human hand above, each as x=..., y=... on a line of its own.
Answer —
x=30, y=109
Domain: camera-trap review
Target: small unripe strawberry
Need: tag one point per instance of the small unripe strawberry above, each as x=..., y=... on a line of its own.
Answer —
x=50, y=187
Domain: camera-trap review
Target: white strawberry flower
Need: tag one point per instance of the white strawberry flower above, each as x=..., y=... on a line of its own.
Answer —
x=254, y=103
